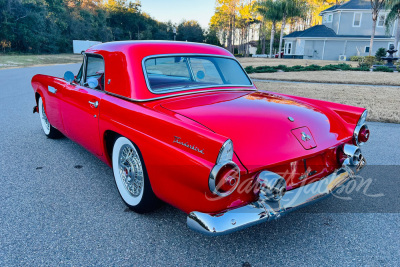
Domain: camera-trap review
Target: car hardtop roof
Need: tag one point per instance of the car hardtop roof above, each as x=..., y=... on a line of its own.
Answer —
x=124, y=70
x=146, y=48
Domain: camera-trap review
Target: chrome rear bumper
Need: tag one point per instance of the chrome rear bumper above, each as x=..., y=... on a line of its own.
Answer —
x=262, y=211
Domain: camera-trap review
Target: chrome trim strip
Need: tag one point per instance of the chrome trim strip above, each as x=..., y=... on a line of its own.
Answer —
x=181, y=94
x=194, y=55
x=263, y=210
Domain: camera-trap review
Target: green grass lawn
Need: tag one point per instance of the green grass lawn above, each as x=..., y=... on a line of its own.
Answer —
x=21, y=61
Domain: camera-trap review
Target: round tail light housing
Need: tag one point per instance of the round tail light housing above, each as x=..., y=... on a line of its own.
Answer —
x=363, y=134
x=224, y=179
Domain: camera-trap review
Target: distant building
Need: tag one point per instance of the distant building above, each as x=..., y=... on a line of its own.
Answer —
x=345, y=31
x=80, y=46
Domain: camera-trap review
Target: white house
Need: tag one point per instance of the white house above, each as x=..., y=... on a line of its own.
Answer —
x=345, y=31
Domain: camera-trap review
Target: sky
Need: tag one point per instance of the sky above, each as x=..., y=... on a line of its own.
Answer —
x=178, y=10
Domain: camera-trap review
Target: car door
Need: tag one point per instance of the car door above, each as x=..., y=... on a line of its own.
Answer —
x=82, y=104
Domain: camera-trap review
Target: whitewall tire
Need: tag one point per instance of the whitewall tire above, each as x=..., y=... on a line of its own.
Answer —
x=131, y=177
x=48, y=129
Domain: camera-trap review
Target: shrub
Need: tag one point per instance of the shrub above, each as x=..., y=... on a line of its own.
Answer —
x=262, y=69
x=381, y=52
x=360, y=69
x=331, y=67
x=249, y=69
x=356, y=58
x=295, y=68
x=313, y=67
x=367, y=61
x=383, y=69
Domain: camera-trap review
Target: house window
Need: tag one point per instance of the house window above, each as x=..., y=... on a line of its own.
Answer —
x=366, y=50
x=381, y=20
x=357, y=19
x=325, y=18
x=288, y=48
x=330, y=16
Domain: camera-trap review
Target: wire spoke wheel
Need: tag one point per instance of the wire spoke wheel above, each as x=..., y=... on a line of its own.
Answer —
x=131, y=177
x=130, y=170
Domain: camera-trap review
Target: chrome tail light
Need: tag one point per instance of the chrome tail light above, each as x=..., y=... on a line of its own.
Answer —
x=225, y=175
x=224, y=179
x=361, y=132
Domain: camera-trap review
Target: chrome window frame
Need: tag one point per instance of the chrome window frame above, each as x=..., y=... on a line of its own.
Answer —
x=82, y=83
x=195, y=87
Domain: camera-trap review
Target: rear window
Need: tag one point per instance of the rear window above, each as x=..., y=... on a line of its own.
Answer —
x=175, y=73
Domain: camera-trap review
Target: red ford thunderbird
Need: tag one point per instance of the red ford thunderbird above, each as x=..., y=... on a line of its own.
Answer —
x=183, y=123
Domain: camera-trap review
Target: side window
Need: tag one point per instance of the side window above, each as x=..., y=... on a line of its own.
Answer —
x=205, y=71
x=95, y=70
x=169, y=66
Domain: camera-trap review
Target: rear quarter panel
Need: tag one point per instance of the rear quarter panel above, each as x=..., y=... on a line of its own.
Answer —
x=179, y=175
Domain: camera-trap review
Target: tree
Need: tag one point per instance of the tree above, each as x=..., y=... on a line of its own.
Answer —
x=314, y=8
x=211, y=37
x=190, y=31
x=224, y=19
x=376, y=7
x=291, y=9
x=246, y=17
x=394, y=14
x=271, y=10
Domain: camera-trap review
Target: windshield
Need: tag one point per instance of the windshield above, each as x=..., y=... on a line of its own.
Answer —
x=175, y=73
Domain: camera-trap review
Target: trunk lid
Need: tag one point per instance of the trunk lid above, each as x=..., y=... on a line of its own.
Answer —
x=258, y=123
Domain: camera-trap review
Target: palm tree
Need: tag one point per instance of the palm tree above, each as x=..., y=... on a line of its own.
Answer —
x=376, y=6
x=271, y=10
x=394, y=14
x=291, y=9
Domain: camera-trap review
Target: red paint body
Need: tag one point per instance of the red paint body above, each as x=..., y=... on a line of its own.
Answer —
x=257, y=123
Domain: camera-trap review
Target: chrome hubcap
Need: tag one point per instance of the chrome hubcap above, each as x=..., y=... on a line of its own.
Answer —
x=130, y=170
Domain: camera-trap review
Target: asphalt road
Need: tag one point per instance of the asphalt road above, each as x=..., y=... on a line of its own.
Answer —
x=59, y=206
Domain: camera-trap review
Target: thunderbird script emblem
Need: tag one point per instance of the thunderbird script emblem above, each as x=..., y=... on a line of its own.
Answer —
x=305, y=137
x=179, y=141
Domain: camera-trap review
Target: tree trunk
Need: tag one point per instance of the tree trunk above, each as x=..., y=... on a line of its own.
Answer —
x=397, y=37
x=263, y=39
x=230, y=36
x=291, y=25
x=233, y=33
x=271, y=43
x=371, y=43
x=281, y=37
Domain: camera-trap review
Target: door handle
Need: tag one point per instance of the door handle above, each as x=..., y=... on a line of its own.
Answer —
x=95, y=103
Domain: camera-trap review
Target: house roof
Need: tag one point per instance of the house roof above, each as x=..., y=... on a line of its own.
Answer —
x=316, y=31
x=352, y=4
x=325, y=32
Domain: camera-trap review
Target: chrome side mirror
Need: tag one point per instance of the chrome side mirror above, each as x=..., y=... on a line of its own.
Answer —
x=92, y=83
x=69, y=76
